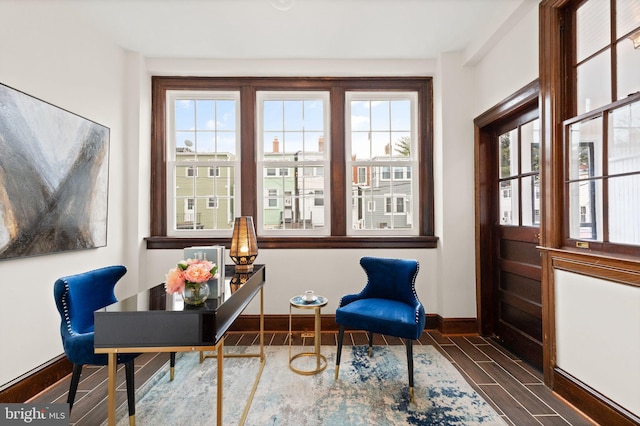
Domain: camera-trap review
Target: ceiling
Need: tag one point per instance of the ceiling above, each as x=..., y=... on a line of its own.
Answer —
x=308, y=29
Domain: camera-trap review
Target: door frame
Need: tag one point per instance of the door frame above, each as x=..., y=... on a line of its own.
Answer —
x=485, y=206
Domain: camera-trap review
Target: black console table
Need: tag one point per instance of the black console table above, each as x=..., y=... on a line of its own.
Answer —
x=154, y=321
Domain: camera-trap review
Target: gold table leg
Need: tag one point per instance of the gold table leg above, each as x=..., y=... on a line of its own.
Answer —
x=111, y=401
x=321, y=361
x=220, y=376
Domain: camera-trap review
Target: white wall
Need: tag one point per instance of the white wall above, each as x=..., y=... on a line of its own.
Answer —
x=50, y=55
x=510, y=65
x=587, y=310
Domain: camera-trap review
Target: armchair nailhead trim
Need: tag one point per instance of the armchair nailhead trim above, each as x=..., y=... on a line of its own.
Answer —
x=413, y=289
x=66, y=308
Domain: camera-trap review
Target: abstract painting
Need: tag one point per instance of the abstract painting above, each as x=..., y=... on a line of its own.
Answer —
x=53, y=178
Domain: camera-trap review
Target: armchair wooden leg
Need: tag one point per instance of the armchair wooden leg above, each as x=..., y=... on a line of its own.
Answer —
x=339, y=352
x=409, y=344
x=129, y=371
x=370, y=344
x=73, y=387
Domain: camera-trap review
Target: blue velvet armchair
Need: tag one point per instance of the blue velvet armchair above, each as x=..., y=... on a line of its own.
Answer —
x=388, y=305
x=77, y=297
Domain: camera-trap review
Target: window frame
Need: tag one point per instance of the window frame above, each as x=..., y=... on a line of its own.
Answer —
x=192, y=167
x=337, y=86
x=569, y=115
x=283, y=166
x=389, y=167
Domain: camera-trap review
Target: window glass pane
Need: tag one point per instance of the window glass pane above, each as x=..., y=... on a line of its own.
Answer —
x=627, y=16
x=380, y=129
x=401, y=115
x=200, y=128
x=184, y=114
x=530, y=136
x=624, y=139
x=585, y=149
x=225, y=115
x=585, y=210
x=293, y=118
x=508, y=153
x=594, y=83
x=294, y=202
x=531, y=201
x=273, y=112
x=205, y=114
x=385, y=204
x=380, y=111
x=201, y=155
x=508, y=193
x=293, y=130
x=592, y=28
x=628, y=66
x=624, y=193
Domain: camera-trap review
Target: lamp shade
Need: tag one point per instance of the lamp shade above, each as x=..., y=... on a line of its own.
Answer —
x=244, y=244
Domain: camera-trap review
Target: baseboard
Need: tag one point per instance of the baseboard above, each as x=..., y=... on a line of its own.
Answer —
x=590, y=402
x=26, y=387
x=32, y=383
x=279, y=323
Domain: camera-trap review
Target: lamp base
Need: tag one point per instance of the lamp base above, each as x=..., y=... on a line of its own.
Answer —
x=244, y=268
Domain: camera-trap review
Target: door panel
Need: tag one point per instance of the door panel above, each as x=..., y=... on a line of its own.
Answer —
x=518, y=271
x=509, y=220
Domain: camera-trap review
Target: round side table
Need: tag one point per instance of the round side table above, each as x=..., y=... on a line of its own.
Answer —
x=299, y=302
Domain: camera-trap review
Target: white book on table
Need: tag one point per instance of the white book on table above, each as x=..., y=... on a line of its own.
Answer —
x=213, y=254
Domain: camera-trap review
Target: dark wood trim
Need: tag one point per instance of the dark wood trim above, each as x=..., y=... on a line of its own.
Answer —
x=280, y=322
x=300, y=242
x=32, y=383
x=511, y=105
x=457, y=326
x=615, y=270
x=248, y=86
x=486, y=128
x=553, y=109
x=592, y=403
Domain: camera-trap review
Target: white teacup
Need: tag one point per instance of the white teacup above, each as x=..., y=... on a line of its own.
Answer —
x=309, y=296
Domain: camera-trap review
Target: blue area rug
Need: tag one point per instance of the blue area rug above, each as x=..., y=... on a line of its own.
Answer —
x=369, y=391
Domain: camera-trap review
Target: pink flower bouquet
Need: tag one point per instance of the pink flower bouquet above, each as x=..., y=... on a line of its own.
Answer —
x=189, y=273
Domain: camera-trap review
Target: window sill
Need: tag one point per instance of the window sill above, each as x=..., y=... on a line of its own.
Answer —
x=165, y=243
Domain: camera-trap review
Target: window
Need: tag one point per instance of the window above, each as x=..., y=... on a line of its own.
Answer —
x=291, y=136
x=602, y=133
x=380, y=138
x=191, y=172
x=272, y=196
x=201, y=132
x=519, y=180
x=294, y=148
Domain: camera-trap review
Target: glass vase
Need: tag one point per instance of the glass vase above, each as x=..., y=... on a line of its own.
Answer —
x=195, y=293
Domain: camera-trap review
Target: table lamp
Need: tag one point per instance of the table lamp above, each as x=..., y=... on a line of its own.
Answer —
x=244, y=244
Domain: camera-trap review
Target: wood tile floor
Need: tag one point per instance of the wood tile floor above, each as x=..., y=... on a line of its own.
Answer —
x=513, y=388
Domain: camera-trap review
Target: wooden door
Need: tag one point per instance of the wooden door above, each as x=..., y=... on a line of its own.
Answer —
x=510, y=264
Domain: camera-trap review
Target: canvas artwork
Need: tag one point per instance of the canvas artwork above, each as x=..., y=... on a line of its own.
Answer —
x=53, y=178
